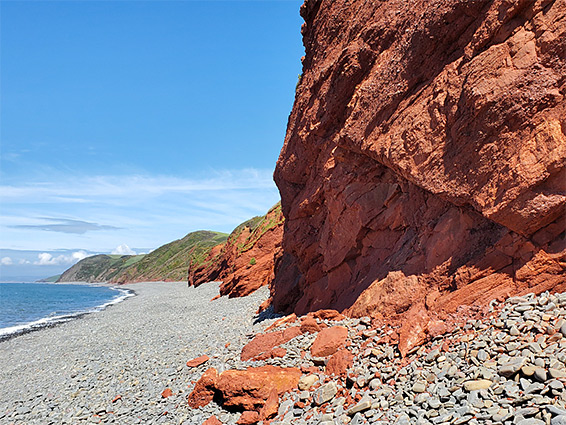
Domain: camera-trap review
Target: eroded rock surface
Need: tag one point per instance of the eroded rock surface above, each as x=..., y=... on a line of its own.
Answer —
x=424, y=161
x=246, y=261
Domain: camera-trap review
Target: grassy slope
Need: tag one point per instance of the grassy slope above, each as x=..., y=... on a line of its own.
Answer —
x=50, y=279
x=171, y=261
x=99, y=268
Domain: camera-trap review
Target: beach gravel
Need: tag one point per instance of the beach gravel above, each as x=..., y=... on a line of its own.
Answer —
x=120, y=365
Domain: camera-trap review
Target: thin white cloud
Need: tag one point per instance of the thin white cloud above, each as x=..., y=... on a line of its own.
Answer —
x=6, y=261
x=81, y=190
x=123, y=250
x=64, y=225
x=99, y=213
x=46, y=259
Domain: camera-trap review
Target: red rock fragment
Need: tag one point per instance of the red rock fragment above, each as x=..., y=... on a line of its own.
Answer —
x=269, y=409
x=264, y=343
x=327, y=314
x=291, y=318
x=436, y=328
x=274, y=353
x=413, y=331
x=115, y=399
x=278, y=352
x=264, y=306
x=215, y=298
x=329, y=340
x=248, y=418
x=212, y=421
x=250, y=389
x=203, y=393
x=167, y=393
x=198, y=361
x=309, y=369
x=309, y=324
x=339, y=363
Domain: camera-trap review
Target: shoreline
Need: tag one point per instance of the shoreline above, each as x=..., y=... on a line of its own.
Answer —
x=113, y=366
x=10, y=332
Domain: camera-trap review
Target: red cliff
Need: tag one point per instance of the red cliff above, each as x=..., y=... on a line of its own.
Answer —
x=246, y=261
x=424, y=161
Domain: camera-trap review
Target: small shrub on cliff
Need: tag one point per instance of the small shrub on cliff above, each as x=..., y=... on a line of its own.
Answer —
x=252, y=261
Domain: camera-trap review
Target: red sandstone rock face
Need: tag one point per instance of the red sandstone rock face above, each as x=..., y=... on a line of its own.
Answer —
x=246, y=261
x=424, y=160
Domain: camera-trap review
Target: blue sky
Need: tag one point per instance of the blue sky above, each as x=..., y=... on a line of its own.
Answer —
x=127, y=123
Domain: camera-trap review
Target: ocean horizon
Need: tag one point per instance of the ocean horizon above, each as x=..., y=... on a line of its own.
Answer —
x=28, y=306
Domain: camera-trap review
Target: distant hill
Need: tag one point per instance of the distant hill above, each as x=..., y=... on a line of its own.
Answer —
x=171, y=261
x=99, y=268
x=168, y=263
x=50, y=279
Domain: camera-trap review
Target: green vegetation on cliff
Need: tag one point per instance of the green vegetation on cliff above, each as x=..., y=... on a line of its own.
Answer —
x=246, y=260
x=169, y=262
x=172, y=261
x=257, y=226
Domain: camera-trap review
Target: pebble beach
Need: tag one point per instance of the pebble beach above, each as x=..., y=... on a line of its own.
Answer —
x=127, y=365
x=508, y=368
x=112, y=366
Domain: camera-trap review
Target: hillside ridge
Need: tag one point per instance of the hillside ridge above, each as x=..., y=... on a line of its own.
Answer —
x=166, y=263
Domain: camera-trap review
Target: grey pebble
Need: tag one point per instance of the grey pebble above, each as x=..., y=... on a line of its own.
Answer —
x=530, y=421
x=325, y=393
x=558, y=420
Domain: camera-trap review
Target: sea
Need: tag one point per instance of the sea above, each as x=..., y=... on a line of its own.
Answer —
x=25, y=307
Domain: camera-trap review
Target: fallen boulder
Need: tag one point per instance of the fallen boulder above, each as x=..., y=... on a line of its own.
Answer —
x=328, y=341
